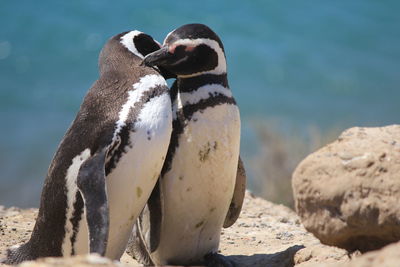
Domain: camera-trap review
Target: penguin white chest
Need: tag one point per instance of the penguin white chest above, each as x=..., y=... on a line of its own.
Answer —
x=199, y=187
x=129, y=185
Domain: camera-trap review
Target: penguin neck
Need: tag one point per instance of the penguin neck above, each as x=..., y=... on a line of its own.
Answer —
x=116, y=64
x=190, y=84
x=115, y=58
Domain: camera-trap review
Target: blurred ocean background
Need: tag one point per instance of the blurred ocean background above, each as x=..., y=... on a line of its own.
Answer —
x=301, y=71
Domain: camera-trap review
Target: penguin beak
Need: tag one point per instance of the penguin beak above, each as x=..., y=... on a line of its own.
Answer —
x=157, y=58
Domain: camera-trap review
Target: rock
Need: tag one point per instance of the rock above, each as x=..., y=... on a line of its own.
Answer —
x=347, y=193
x=389, y=256
x=315, y=255
x=265, y=234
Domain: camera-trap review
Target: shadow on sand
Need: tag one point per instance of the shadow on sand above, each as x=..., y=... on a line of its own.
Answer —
x=278, y=259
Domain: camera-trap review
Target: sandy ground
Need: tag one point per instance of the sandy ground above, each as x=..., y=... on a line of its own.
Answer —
x=266, y=234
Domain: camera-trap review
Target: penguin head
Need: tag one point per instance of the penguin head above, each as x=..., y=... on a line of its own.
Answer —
x=190, y=50
x=128, y=48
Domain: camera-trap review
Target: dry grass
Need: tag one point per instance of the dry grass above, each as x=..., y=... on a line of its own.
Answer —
x=280, y=151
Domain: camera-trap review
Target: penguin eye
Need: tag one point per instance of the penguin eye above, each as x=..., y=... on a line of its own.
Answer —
x=190, y=48
x=183, y=49
x=179, y=50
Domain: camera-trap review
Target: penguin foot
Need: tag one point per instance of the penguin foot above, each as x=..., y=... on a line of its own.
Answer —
x=218, y=260
x=18, y=254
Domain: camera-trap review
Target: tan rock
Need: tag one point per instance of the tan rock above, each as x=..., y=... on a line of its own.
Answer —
x=347, y=193
x=389, y=256
x=317, y=254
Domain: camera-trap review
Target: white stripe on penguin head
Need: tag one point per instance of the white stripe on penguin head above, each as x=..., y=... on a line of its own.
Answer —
x=127, y=41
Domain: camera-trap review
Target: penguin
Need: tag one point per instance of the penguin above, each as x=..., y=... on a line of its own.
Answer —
x=109, y=160
x=202, y=183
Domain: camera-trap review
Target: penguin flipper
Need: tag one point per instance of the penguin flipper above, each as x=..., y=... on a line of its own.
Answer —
x=155, y=213
x=238, y=196
x=92, y=185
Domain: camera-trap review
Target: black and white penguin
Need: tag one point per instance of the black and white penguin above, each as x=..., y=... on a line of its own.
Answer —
x=108, y=161
x=201, y=187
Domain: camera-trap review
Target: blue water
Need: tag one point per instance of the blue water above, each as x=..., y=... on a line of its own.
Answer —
x=321, y=63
